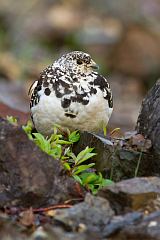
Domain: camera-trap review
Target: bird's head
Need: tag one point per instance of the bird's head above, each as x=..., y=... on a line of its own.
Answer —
x=77, y=62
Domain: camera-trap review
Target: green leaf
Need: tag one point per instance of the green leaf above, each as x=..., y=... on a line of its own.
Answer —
x=63, y=142
x=82, y=168
x=89, y=178
x=100, y=177
x=74, y=137
x=66, y=151
x=42, y=142
x=56, y=127
x=105, y=130
x=56, y=151
x=66, y=166
x=30, y=136
x=72, y=155
x=106, y=182
x=54, y=138
x=94, y=181
x=12, y=120
x=84, y=155
x=78, y=179
x=92, y=188
x=28, y=128
x=64, y=158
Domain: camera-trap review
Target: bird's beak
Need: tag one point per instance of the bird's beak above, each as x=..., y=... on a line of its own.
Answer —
x=94, y=65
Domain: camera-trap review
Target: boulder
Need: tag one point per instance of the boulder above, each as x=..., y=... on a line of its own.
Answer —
x=28, y=176
x=148, y=122
x=133, y=194
x=148, y=229
x=115, y=160
x=93, y=214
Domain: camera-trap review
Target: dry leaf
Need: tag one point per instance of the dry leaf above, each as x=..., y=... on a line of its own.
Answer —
x=27, y=217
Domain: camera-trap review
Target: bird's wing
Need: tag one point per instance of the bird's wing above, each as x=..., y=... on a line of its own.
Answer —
x=32, y=87
x=102, y=83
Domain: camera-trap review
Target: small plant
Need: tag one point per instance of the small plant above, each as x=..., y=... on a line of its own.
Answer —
x=138, y=164
x=12, y=120
x=92, y=181
x=28, y=129
x=60, y=147
x=74, y=163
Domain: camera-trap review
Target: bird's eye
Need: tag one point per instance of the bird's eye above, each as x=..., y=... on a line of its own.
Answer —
x=79, y=62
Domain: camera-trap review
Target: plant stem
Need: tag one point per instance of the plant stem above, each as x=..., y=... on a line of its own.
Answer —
x=138, y=163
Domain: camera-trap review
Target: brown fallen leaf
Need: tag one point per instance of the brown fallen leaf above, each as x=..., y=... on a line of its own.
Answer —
x=27, y=217
x=51, y=213
x=142, y=143
x=116, y=133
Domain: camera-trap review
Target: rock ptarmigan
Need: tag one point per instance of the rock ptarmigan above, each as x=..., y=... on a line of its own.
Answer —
x=71, y=93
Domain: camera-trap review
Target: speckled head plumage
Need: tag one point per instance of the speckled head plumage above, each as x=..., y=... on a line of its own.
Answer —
x=77, y=62
x=72, y=94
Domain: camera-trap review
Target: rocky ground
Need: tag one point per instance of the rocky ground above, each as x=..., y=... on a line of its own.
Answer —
x=38, y=200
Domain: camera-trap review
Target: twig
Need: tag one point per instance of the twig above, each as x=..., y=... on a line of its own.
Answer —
x=37, y=210
x=74, y=199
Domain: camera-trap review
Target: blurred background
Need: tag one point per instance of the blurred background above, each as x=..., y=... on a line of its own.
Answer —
x=122, y=36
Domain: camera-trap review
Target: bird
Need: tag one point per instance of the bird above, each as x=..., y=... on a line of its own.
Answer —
x=71, y=93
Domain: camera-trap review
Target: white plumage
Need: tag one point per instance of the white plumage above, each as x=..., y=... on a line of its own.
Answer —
x=71, y=94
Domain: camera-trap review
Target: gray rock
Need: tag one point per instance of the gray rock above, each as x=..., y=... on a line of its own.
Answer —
x=131, y=194
x=28, y=176
x=119, y=222
x=148, y=122
x=113, y=160
x=58, y=233
x=148, y=229
x=93, y=215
